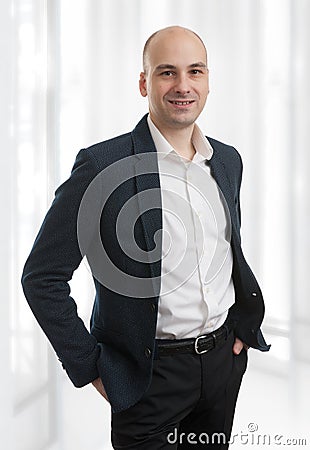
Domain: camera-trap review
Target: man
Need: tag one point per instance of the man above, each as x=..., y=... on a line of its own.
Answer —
x=157, y=214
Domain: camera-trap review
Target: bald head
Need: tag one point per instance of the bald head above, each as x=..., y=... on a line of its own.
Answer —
x=164, y=35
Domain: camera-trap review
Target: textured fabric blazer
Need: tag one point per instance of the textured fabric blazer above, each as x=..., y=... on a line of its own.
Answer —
x=120, y=344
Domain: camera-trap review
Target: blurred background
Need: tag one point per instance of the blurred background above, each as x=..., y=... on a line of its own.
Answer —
x=69, y=78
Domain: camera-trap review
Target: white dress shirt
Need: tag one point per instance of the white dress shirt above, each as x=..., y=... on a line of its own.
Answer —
x=196, y=283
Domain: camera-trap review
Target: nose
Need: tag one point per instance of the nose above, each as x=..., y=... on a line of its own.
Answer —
x=182, y=84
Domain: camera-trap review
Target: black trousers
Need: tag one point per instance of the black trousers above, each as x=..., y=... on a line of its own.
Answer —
x=189, y=404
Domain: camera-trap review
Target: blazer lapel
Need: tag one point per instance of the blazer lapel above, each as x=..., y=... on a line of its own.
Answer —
x=148, y=194
x=218, y=171
x=219, y=174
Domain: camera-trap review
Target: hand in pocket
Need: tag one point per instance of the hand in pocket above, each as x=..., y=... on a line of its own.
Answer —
x=97, y=383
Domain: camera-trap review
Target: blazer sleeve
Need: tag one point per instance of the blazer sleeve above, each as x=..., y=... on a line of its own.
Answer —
x=53, y=259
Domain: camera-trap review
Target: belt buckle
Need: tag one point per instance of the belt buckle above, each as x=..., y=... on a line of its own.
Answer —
x=196, y=343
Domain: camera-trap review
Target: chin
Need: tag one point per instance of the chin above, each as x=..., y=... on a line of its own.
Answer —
x=185, y=122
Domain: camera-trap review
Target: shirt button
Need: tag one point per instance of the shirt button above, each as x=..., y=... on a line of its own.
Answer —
x=207, y=289
x=147, y=352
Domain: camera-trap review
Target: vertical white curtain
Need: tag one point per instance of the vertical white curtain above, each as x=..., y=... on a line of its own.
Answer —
x=29, y=147
x=6, y=194
x=69, y=78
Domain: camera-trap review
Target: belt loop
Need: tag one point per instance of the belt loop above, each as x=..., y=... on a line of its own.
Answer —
x=227, y=331
x=214, y=339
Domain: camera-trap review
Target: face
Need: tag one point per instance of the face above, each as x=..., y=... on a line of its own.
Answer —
x=175, y=79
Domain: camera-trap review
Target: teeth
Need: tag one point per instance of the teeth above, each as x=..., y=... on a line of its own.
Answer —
x=182, y=103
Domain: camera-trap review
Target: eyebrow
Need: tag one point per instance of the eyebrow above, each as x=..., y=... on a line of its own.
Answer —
x=199, y=64
x=171, y=67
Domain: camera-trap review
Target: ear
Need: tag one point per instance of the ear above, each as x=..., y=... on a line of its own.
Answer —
x=142, y=84
x=208, y=81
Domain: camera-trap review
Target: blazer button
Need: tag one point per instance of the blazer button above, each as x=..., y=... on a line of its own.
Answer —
x=153, y=307
x=147, y=352
x=254, y=294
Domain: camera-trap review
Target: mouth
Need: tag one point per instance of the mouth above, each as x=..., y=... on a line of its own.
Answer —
x=181, y=103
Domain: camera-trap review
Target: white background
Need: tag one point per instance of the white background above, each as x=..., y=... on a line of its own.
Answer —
x=69, y=78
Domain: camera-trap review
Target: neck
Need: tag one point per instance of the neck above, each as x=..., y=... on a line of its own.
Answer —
x=179, y=139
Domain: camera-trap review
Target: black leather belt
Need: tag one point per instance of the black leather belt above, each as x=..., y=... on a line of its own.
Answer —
x=200, y=344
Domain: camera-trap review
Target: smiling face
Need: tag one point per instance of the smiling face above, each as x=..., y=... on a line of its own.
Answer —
x=175, y=78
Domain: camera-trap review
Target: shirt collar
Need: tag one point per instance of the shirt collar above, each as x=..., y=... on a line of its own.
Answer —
x=202, y=145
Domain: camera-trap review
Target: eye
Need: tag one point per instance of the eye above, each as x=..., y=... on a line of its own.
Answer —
x=196, y=71
x=167, y=73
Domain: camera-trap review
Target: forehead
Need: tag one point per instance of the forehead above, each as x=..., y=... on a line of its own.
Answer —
x=182, y=47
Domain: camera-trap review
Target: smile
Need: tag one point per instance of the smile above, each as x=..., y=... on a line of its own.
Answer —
x=184, y=103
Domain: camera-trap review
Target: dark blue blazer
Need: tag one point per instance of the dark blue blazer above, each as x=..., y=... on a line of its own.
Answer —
x=119, y=347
